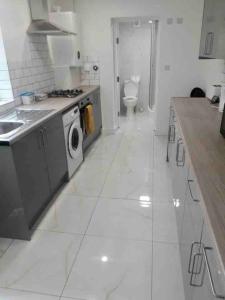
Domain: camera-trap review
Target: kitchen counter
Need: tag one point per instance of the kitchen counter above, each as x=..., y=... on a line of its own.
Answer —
x=54, y=105
x=200, y=128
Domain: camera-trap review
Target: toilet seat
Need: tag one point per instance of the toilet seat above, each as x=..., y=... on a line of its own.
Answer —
x=129, y=98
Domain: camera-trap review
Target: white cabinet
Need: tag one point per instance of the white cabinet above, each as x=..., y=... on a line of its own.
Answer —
x=65, y=50
x=213, y=30
x=203, y=273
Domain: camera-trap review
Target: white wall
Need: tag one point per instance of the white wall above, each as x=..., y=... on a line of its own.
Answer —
x=29, y=63
x=178, y=47
x=66, y=5
x=135, y=49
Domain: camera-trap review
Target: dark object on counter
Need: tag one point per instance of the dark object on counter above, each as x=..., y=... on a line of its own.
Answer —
x=65, y=93
x=95, y=68
x=215, y=99
x=222, y=128
x=197, y=93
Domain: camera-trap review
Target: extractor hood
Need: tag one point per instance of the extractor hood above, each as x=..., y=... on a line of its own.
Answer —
x=40, y=20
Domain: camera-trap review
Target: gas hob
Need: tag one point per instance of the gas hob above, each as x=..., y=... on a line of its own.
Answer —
x=65, y=93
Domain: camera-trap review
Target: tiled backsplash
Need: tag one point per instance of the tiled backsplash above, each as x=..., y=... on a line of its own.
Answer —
x=5, y=84
x=35, y=73
x=92, y=77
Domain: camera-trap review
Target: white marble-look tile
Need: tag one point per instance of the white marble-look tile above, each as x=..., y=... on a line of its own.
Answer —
x=105, y=147
x=164, y=223
x=111, y=269
x=69, y=214
x=162, y=185
x=89, y=179
x=7, y=294
x=41, y=265
x=167, y=274
x=128, y=182
x=160, y=151
x=122, y=219
x=4, y=245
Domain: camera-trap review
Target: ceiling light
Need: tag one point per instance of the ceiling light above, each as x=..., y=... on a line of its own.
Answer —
x=150, y=21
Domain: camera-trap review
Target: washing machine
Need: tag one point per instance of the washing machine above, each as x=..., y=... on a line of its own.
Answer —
x=73, y=139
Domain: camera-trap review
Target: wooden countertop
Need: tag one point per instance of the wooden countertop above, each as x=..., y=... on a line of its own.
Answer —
x=200, y=125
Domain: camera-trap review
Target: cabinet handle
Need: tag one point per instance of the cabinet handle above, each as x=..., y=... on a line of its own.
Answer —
x=180, y=163
x=39, y=140
x=209, y=43
x=190, y=265
x=172, y=137
x=189, y=186
x=193, y=274
x=42, y=137
x=45, y=135
x=218, y=296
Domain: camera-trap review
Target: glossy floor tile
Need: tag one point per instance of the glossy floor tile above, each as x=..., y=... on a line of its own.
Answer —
x=122, y=219
x=165, y=226
x=111, y=269
x=69, y=214
x=4, y=245
x=41, y=265
x=8, y=294
x=111, y=233
x=167, y=274
x=89, y=179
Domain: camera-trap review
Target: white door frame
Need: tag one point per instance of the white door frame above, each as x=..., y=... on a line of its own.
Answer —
x=153, y=56
x=116, y=64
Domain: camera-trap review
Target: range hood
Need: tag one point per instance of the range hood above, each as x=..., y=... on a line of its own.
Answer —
x=40, y=20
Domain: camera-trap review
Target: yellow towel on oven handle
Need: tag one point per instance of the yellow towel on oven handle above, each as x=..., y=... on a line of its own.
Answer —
x=89, y=119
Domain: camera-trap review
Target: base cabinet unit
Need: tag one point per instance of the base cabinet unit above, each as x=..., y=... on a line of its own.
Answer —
x=38, y=168
x=203, y=274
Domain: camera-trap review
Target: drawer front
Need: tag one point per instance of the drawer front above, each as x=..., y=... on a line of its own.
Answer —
x=215, y=276
x=193, y=202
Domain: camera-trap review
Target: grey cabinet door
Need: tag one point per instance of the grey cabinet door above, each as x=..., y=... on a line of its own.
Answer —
x=97, y=110
x=32, y=173
x=55, y=151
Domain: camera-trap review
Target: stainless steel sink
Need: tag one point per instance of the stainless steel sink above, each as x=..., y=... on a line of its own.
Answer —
x=7, y=127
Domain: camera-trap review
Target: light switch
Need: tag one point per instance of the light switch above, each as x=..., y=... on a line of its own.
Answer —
x=180, y=20
x=167, y=68
x=170, y=21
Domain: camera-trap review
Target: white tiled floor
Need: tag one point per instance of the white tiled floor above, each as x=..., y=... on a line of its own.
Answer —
x=110, y=235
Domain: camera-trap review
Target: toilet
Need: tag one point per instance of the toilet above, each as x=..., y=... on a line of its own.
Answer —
x=131, y=88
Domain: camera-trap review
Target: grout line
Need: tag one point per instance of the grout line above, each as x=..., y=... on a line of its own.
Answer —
x=29, y=292
x=72, y=265
x=152, y=275
x=117, y=238
x=85, y=234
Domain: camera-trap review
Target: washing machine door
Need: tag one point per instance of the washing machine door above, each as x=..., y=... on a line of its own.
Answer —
x=75, y=139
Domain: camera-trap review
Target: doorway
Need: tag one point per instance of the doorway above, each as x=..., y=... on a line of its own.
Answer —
x=135, y=45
